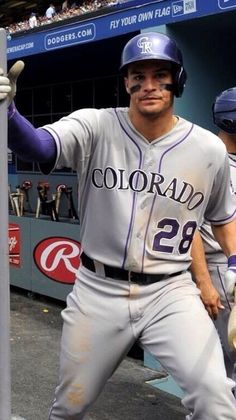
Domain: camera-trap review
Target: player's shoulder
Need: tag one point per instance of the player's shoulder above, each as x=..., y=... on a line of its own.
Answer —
x=205, y=137
x=118, y=113
x=97, y=113
x=87, y=113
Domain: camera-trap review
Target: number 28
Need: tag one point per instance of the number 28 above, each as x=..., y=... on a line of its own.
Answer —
x=172, y=229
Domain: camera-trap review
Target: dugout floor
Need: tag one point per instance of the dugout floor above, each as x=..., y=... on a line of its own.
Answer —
x=35, y=335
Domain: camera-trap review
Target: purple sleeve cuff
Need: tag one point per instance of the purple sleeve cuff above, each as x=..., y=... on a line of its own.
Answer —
x=232, y=261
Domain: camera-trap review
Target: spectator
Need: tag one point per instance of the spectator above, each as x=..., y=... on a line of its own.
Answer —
x=50, y=12
x=64, y=5
x=50, y=15
x=33, y=21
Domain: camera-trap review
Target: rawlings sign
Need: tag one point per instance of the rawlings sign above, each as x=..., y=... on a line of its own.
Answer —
x=14, y=244
x=58, y=258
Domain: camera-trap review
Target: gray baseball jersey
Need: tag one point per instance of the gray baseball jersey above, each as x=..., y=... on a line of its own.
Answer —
x=213, y=250
x=217, y=266
x=138, y=214
x=147, y=215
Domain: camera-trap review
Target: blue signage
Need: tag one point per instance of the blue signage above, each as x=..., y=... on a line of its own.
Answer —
x=131, y=19
x=67, y=37
x=227, y=4
x=178, y=8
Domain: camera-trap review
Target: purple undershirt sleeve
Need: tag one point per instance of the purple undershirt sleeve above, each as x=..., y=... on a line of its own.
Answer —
x=29, y=143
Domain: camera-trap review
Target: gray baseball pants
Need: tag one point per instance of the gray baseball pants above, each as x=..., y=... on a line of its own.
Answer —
x=105, y=317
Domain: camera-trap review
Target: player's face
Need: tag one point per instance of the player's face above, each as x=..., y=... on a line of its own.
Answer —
x=147, y=83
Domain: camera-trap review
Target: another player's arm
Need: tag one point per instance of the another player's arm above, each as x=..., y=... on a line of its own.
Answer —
x=209, y=294
x=226, y=237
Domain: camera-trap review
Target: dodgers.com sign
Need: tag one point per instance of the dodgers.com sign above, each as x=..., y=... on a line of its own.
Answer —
x=66, y=37
x=226, y=4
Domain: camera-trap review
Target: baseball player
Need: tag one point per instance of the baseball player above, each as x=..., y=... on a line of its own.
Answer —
x=224, y=116
x=146, y=180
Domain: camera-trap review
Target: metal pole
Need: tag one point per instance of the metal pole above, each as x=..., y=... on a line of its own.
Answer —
x=5, y=377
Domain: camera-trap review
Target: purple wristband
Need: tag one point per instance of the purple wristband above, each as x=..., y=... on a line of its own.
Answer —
x=232, y=262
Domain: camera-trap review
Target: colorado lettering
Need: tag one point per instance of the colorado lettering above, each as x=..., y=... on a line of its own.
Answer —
x=152, y=182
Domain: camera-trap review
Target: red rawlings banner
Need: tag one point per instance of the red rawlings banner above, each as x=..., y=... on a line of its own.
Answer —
x=14, y=244
x=58, y=258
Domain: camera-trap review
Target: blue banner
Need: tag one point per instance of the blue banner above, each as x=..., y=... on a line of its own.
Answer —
x=121, y=21
x=227, y=4
x=68, y=37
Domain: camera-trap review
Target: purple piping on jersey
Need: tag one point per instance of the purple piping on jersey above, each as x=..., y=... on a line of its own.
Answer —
x=221, y=220
x=232, y=159
x=175, y=145
x=134, y=194
x=57, y=143
x=155, y=197
x=229, y=217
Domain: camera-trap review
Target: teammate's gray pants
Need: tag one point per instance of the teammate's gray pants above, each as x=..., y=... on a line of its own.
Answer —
x=104, y=318
x=217, y=272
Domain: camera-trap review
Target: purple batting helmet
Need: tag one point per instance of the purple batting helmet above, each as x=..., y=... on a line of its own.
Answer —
x=156, y=46
x=224, y=111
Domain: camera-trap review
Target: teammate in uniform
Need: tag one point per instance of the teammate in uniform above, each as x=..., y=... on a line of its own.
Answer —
x=224, y=116
x=146, y=180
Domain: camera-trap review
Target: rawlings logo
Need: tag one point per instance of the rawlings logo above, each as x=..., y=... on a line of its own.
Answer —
x=14, y=244
x=145, y=45
x=58, y=258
